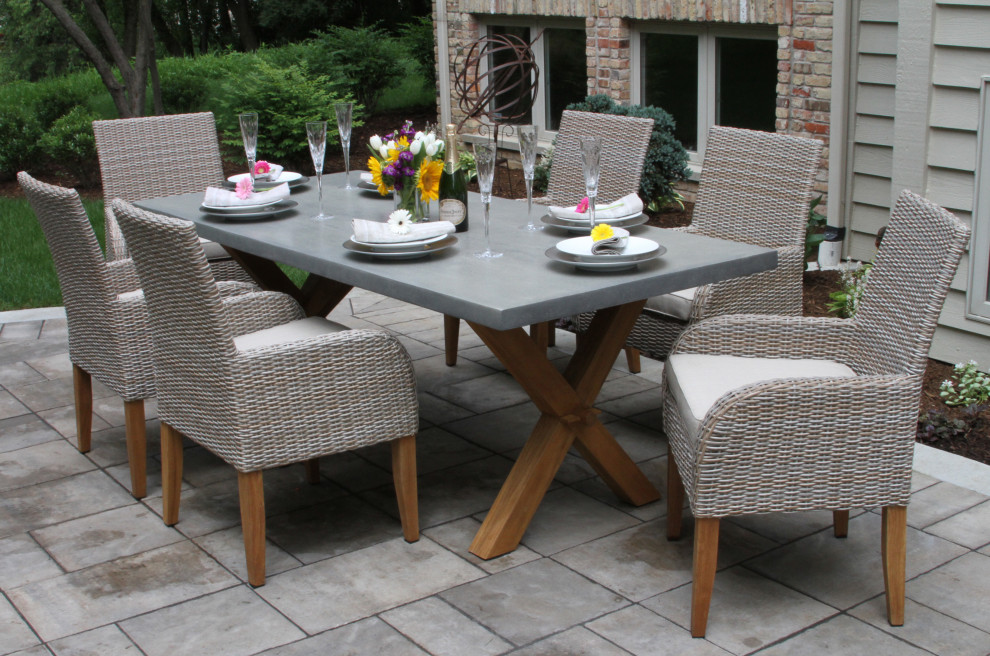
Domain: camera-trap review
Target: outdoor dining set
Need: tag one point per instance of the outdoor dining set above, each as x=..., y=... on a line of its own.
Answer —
x=765, y=410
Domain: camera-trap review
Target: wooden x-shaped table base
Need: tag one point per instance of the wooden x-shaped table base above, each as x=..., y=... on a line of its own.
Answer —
x=565, y=400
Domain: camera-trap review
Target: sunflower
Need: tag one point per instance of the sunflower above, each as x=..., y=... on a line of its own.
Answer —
x=429, y=180
x=376, y=175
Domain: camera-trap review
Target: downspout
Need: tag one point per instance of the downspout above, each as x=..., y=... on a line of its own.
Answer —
x=838, y=143
x=443, y=62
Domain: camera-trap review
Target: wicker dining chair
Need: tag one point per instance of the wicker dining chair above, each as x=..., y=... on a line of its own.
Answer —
x=625, y=141
x=779, y=414
x=756, y=188
x=161, y=156
x=260, y=386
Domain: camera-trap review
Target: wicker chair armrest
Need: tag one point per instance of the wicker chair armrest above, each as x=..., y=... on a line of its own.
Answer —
x=235, y=288
x=757, y=335
x=796, y=444
x=777, y=291
x=252, y=311
x=123, y=276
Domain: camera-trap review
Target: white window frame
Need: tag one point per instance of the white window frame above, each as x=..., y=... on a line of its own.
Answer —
x=707, y=61
x=535, y=25
x=978, y=288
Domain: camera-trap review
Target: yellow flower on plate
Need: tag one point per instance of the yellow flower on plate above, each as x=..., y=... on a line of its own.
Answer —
x=601, y=231
x=376, y=175
x=428, y=180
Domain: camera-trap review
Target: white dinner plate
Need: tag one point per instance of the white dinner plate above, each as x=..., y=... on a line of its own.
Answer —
x=581, y=246
x=238, y=209
x=410, y=253
x=606, y=262
x=266, y=211
x=398, y=246
x=574, y=226
x=291, y=177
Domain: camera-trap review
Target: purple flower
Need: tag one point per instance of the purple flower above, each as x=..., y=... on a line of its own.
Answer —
x=408, y=171
x=398, y=184
x=389, y=170
x=406, y=156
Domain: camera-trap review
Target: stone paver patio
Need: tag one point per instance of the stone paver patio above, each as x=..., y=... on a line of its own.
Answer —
x=87, y=569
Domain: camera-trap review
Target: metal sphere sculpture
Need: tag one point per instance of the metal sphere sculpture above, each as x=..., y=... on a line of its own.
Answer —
x=503, y=91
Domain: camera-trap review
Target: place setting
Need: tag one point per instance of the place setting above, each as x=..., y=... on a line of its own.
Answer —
x=627, y=212
x=399, y=238
x=245, y=204
x=263, y=174
x=605, y=249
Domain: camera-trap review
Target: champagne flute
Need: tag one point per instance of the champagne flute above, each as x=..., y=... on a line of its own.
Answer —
x=591, y=152
x=249, y=133
x=316, y=134
x=484, y=158
x=343, y=111
x=527, y=146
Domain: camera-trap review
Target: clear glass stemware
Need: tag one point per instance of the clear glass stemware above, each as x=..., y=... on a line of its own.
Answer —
x=528, y=135
x=591, y=152
x=344, y=111
x=249, y=134
x=316, y=134
x=484, y=158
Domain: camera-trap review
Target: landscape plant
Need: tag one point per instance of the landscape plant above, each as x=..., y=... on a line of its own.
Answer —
x=852, y=281
x=815, y=233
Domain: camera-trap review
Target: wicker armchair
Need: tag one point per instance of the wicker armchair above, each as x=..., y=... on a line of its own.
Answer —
x=161, y=156
x=778, y=414
x=259, y=385
x=756, y=188
x=624, y=144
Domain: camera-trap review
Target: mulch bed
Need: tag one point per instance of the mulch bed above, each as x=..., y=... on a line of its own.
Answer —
x=971, y=440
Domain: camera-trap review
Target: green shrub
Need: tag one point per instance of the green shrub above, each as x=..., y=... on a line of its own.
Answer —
x=815, y=231
x=285, y=99
x=666, y=160
x=367, y=60
x=541, y=172
x=55, y=97
x=19, y=134
x=188, y=82
x=418, y=40
x=69, y=143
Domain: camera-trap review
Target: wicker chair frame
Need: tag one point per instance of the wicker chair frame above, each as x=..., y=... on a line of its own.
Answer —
x=822, y=443
x=755, y=187
x=159, y=156
x=267, y=406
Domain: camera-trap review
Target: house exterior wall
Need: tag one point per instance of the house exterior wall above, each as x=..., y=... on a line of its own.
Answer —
x=804, y=34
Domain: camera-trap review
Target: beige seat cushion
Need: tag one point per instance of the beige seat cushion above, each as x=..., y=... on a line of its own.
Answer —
x=287, y=332
x=676, y=304
x=213, y=250
x=697, y=381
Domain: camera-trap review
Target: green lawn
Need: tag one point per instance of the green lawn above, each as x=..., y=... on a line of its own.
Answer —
x=27, y=273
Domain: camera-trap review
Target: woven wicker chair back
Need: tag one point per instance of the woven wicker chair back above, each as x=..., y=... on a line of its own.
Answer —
x=155, y=156
x=624, y=144
x=190, y=334
x=903, y=296
x=107, y=338
x=756, y=187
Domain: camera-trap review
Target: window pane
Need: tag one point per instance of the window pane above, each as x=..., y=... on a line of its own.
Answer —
x=565, y=71
x=747, y=84
x=508, y=100
x=670, y=81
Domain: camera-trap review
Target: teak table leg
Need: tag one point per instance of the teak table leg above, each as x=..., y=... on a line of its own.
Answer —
x=568, y=418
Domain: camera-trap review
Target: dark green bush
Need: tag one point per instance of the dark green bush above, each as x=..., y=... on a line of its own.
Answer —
x=419, y=43
x=666, y=160
x=55, y=97
x=188, y=82
x=367, y=60
x=19, y=134
x=285, y=99
x=69, y=142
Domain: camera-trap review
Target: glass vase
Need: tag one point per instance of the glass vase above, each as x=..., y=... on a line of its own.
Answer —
x=409, y=199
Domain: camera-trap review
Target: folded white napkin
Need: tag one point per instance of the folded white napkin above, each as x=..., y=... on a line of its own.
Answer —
x=626, y=206
x=224, y=198
x=272, y=175
x=366, y=176
x=376, y=232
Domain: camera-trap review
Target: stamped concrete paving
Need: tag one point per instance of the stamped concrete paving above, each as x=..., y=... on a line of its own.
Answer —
x=87, y=570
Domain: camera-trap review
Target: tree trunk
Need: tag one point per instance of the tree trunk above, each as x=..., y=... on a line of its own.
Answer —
x=130, y=29
x=245, y=27
x=164, y=33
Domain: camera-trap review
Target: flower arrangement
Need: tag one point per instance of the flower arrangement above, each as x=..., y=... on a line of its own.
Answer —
x=407, y=163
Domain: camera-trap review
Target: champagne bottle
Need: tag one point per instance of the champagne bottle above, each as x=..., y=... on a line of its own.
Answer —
x=453, y=185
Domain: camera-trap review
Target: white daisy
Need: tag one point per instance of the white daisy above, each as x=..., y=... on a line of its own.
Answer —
x=398, y=222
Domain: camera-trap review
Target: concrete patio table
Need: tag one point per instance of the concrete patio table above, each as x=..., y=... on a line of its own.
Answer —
x=497, y=298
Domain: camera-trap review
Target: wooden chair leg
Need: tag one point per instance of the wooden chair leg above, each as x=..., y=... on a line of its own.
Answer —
x=632, y=360
x=82, y=390
x=675, y=499
x=404, y=475
x=137, y=446
x=252, y=494
x=551, y=333
x=451, y=333
x=705, y=560
x=171, y=473
x=538, y=333
x=894, y=553
x=840, y=523
x=312, y=471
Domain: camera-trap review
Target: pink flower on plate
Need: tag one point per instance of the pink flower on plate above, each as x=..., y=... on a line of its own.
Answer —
x=243, y=188
x=262, y=167
x=582, y=207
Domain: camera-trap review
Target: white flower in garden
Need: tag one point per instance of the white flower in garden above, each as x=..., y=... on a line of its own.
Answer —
x=398, y=222
x=384, y=151
x=376, y=142
x=431, y=149
x=415, y=147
